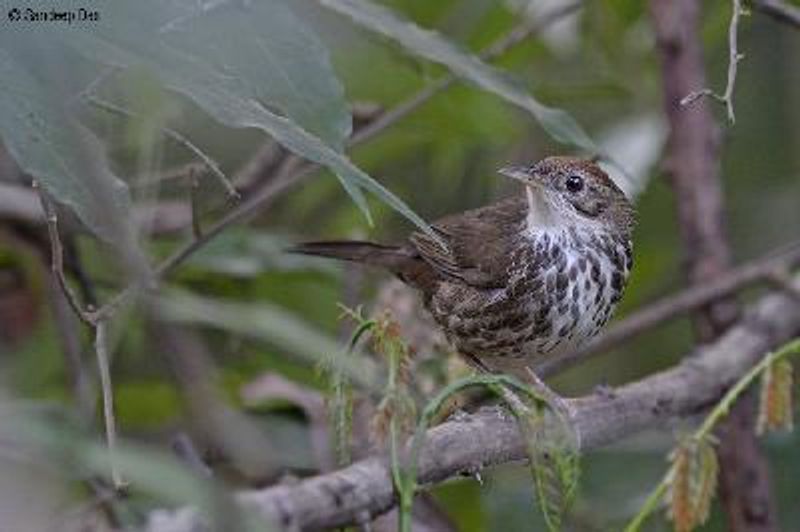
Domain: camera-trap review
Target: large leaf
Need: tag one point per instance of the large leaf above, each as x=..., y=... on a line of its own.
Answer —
x=259, y=51
x=432, y=46
x=64, y=157
x=251, y=65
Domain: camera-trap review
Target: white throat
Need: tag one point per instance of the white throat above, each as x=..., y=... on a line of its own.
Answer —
x=540, y=213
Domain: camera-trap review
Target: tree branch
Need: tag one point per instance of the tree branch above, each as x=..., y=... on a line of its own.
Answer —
x=490, y=437
x=694, y=176
x=780, y=11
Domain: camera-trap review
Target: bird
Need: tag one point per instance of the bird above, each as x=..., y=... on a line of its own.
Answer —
x=522, y=279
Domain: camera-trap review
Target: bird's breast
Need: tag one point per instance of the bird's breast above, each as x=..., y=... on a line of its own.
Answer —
x=561, y=289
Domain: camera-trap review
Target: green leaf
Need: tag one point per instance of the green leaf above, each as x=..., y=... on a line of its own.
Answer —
x=50, y=145
x=254, y=51
x=270, y=324
x=251, y=65
x=434, y=47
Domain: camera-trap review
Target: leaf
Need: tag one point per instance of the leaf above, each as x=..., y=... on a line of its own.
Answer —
x=267, y=323
x=64, y=157
x=224, y=57
x=434, y=47
x=253, y=65
x=554, y=463
x=257, y=51
x=775, y=404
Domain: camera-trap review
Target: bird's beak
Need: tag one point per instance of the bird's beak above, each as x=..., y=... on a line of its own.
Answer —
x=521, y=173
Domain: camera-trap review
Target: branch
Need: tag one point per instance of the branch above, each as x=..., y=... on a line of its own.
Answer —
x=695, y=179
x=469, y=444
x=89, y=317
x=733, y=63
x=780, y=11
x=57, y=258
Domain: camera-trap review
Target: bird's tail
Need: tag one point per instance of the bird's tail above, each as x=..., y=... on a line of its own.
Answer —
x=391, y=257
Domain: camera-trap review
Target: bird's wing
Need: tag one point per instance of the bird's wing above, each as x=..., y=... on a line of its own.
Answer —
x=479, y=243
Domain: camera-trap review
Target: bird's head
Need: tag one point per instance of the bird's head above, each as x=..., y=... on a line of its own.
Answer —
x=573, y=192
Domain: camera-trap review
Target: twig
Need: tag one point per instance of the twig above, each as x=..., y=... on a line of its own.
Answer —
x=94, y=321
x=194, y=184
x=779, y=10
x=782, y=279
x=177, y=137
x=687, y=300
x=733, y=63
x=101, y=349
x=74, y=264
x=184, y=448
x=260, y=168
x=57, y=257
x=102, y=501
x=178, y=173
x=488, y=438
x=89, y=316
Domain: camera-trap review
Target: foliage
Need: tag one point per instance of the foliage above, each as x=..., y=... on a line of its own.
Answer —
x=64, y=156
x=554, y=454
x=551, y=445
x=690, y=482
x=237, y=63
x=96, y=113
x=559, y=124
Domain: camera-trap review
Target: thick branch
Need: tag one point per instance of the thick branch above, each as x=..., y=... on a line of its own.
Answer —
x=364, y=489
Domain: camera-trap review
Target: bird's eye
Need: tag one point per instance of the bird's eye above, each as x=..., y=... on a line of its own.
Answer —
x=574, y=184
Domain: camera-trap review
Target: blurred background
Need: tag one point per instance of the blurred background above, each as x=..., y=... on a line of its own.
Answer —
x=192, y=386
